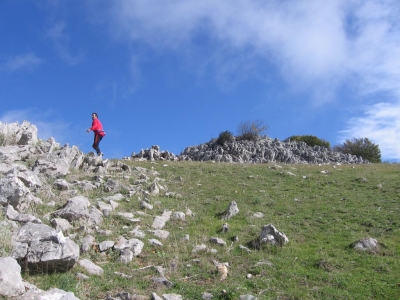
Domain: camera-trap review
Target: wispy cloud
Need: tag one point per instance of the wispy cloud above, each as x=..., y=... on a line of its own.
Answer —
x=44, y=121
x=317, y=47
x=381, y=124
x=61, y=41
x=26, y=61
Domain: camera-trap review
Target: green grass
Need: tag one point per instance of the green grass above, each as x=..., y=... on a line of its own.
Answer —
x=321, y=214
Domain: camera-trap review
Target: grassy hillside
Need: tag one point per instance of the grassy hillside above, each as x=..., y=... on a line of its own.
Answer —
x=321, y=209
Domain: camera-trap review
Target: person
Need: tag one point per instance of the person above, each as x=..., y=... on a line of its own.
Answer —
x=98, y=133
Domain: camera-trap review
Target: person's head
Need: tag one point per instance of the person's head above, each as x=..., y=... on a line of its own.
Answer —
x=94, y=115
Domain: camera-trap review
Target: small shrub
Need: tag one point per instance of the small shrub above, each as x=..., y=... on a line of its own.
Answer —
x=5, y=239
x=361, y=147
x=310, y=140
x=8, y=139
x=251, y=130
x=225, y=137
x=248, y=137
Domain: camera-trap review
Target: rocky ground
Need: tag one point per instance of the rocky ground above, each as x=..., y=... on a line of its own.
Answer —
x=29, y=166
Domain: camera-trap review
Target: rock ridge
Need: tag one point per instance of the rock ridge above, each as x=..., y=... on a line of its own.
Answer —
x=262, y=150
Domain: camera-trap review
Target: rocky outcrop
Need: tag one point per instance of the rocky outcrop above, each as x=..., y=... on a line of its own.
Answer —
x=20, y=134
x=154, y=153
x=266, y=150
x=262, y=150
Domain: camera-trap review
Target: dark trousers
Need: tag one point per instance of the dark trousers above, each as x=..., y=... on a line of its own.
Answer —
x=97, y=140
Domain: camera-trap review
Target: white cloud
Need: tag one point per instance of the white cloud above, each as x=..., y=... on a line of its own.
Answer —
x=309, y=41
x=20, y=62
x=42, y=120
x=318, y=47
x=61, y=42
x=380, y=124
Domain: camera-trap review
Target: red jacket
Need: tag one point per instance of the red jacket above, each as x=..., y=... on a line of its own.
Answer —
x=97, y=127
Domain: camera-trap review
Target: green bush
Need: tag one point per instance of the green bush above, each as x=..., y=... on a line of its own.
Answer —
x=361, y=147
x=225, y=137
x=310, y=140
x=249, y=136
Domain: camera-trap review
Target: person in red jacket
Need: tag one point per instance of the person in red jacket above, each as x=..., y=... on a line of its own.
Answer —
x=98, y=133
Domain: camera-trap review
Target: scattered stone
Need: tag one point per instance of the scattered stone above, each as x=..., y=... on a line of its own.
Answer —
x=116, y=197
x=136, y=232
x=162, y=281
x=199, y=248
x=264, y=262
x=87, y=243
x=90, y=267
x=105, y=245
x=159, y=221
x=52, y=294
x=41, y=248
x=105, y=208
x=247, y=297
x=218, y=241
x=180, y=216
x=162, y=234
x=126, y=256
x=77, y=209
x=81, y=276
x=172, y=297
x=61, y=184
x=367, y=244
x=10, y=277
x=269, y=234
x=258, y=215
x=103, y=232
x=14, y=192
x=60, y=224
x=146, y=205
x=222, y=269
x=244, y=248
x=231, y=211
x=14, y=215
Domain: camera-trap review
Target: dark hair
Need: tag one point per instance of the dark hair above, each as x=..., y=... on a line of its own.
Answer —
x=95, y=115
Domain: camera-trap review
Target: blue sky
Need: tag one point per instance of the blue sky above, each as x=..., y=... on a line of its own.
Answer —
x=176, y=73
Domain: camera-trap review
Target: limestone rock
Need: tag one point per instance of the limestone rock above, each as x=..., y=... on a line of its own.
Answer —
x=52, y=294
x=159, y=221
x=90, y=267
x=77, y=208
x=367, y=244
x=10, y=277
x=269, y=234
x=14, y=192
x=42, y=248
x=231, y=211
x=61, y=184
x=60, y=224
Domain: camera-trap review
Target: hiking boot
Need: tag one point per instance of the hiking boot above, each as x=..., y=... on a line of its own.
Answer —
x=100, y=154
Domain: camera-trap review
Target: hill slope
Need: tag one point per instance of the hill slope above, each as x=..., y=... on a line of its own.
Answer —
x=176, y=210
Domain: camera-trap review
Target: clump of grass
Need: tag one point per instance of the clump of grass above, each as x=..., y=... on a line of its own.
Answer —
x=5, y=236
